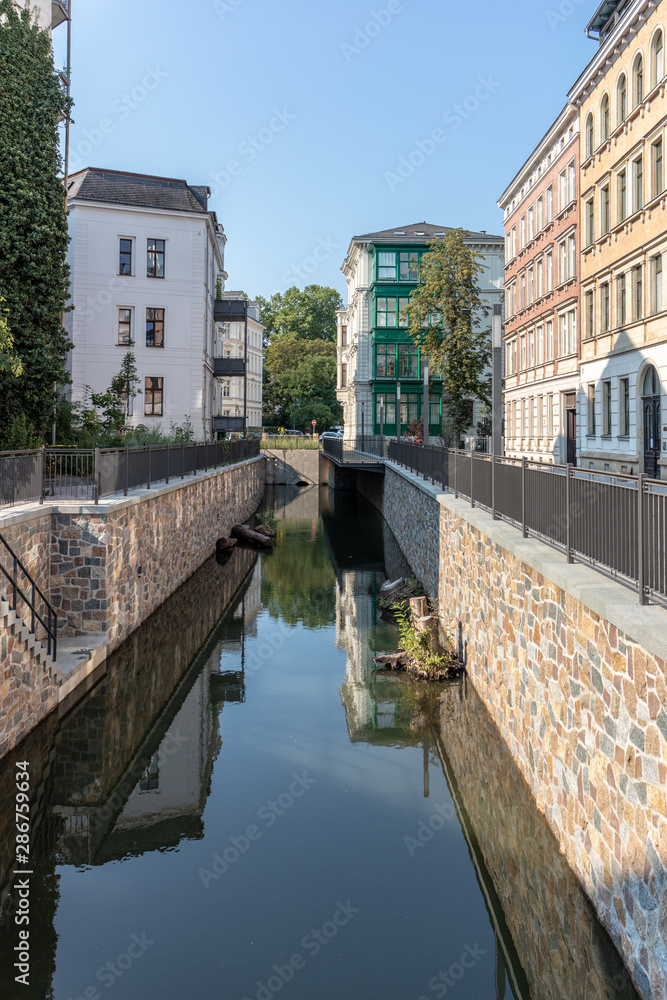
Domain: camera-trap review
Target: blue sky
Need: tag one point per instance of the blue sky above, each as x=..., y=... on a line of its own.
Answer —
x=299, y=113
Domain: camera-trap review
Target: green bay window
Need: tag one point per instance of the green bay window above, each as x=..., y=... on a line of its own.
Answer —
x=385, y=361
x=385, y=412
x=387, y=266
x=389, y=312
x=408, y=361
x=410, y=408
x=409, y=266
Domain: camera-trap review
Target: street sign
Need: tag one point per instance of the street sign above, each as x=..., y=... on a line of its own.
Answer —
x=314, y=422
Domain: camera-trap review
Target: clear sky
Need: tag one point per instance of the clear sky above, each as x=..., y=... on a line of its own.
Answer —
x=299, y=113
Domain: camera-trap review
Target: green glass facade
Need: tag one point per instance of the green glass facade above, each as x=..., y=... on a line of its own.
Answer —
x=395, y=357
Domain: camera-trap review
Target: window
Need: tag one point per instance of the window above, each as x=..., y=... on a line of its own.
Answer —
x=550, y=414
x=386, y=266
x=522, y=291
x=657, y=59
x=656, y=284
x=605, y=312
x=531, y=223
x=624, y=401
x=638, y=80
x=622, y=98
x=540, y=278
x=513, y=242
x=604, y=210
x=531, y=349
x=562, y=190
x=531, y=286
x=620, y=300
x=568, y=334
x=385, y=410
x=522, y=353
x=155, y=328
x=571, y=182
x=562, y=262
x=522, y=224
x=410, y=407
x=638, y=183
x=550, y=204
x=409, y=266
x=155, y=261
x=343, y=376
x=549, y=346
x=606, y=408
x=657, y=175
x=539, y=340
x=387, y=314
x=510, y=357
x=590, y=407
x=540, y=214
x=550, y=271
x=572, y=256
x=153, y=396
x=622, y=196
x=124, y=327
x=385, y=361
x=638, y=287
x=590, y=136
x=590, y=314
x=604, y=118
x=343, y=336
x=125, y=257
x=408, y=361
x=150, y=776
x=590, y=221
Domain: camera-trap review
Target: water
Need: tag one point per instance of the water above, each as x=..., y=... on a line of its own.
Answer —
x=242, y=809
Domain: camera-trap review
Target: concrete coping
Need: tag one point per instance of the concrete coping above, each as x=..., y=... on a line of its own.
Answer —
x=108, y=505
x=617, y=604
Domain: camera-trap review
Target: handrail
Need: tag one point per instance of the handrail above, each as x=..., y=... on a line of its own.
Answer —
x=51, y=624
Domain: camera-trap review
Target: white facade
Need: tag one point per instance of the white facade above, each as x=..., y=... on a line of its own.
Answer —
x=145, y=273
x=49, y=14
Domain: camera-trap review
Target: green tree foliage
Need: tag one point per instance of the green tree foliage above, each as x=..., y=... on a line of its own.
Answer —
x=445, y=320
x=33, y=227
x=300, y=383
x=305, y=315
x=9, y=363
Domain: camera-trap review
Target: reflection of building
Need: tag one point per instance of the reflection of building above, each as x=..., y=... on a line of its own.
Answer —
x=375, y=352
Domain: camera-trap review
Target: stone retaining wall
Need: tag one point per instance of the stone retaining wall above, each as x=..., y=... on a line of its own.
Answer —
x=28, y=690
x=578, y=701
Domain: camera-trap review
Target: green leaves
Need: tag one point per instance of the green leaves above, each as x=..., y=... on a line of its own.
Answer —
x=445, y=317
x=300, y=383
x=305, y=315
x=33, y=226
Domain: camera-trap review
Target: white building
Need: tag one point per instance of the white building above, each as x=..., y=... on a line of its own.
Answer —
x=50, y=13
x=147, y=261
x=235, y=395
x=375, y=353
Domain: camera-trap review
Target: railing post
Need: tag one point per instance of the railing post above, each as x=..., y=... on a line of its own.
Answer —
x=568, y=512
x=97, y=475
x=182, y=459
x=127, y=470
x=167, y=465
x=472, y=479
x=641, y=537
x=493, y=488
x=150, y=460
x=456, y=473
x=41, y=475
x=15, y=584
x=196, y=457
x=524, y=527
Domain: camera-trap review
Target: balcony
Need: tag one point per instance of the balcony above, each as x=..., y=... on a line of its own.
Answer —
x=230, y=310
x=59, y=12
x=228, y=367
x=227, y=424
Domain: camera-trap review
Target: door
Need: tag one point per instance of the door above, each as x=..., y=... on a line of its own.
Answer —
x=570, y=402
x=652, y=408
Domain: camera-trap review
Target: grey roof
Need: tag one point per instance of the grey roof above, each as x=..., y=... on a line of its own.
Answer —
x=119, y=188
x=417, y=233
x=602, y=15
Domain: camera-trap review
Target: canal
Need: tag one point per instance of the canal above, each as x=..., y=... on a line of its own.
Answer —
x=241, y=809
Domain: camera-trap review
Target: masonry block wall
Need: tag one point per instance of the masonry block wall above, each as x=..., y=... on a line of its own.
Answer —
x=579, y=705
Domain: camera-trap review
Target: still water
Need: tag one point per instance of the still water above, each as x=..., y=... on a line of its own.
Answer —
x=241, y=809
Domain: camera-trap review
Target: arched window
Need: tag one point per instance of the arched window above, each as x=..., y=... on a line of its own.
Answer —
x=604, y=118
x=657, y=59
x=638, y=80
x=651, y=383
x=590, y=135
x=622, y=98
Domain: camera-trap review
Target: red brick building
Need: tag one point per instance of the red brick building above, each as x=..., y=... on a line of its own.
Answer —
x=542, y=292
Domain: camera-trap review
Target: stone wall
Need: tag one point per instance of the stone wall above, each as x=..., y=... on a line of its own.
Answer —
x=578, y=701
x=30, y=540
x=29, y=686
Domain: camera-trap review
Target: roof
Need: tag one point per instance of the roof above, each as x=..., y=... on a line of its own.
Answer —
x=117, y=187
x=602, y=15
x=417, y=233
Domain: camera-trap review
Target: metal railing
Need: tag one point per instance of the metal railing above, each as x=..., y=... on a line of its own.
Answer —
x=365, y=450
x=615, y=523
x=85, y=475
x=23, y=589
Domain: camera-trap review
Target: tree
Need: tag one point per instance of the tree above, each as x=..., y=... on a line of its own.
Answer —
x=33, y=226
x=300, y=383
x=115, y=402
x=445, y=314
x=10, y=365
x=305, y=315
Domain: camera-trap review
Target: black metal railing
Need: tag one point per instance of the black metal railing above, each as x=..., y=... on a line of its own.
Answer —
x=24, y=591
x=68, y=474
x=615, y=523
x=364, y=450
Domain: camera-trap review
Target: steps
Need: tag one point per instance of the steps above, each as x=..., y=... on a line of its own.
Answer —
x=39, y=653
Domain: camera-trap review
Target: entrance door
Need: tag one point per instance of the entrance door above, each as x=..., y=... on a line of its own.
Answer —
x=570, y=404
x=651, y=403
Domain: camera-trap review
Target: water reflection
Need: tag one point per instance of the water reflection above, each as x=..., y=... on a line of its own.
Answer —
x=210, y=722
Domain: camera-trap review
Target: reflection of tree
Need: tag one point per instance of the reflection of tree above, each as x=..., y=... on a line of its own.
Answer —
x=298, y=581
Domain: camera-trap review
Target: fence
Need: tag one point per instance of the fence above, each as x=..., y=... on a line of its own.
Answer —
x=87, y=475
x=615, y=523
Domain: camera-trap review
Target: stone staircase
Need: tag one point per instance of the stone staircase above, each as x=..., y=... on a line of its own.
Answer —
x=39, y=655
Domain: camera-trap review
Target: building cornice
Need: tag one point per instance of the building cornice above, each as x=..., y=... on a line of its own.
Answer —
x=568, y=115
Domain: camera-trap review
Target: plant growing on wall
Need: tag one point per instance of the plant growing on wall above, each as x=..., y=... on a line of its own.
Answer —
x=445, y=320
x=33, y=226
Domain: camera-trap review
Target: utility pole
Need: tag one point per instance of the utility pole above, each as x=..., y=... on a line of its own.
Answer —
x=497, y=380
x=426, y=409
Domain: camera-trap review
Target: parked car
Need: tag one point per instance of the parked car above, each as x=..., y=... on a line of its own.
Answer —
x=336, y=435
